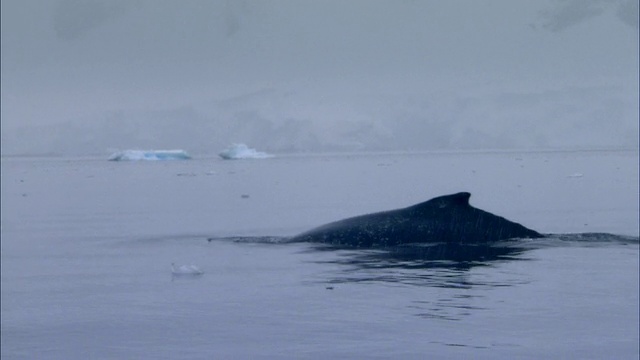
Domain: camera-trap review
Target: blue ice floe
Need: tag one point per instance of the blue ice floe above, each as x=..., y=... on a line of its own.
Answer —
x=154, y=155
x=242, y=151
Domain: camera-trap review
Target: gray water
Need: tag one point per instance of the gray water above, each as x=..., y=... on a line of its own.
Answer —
x=87, y=247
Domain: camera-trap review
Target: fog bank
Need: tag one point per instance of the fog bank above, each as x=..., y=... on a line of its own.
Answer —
x=87, y=77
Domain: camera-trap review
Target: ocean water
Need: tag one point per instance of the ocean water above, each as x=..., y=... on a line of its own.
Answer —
x=87, y=247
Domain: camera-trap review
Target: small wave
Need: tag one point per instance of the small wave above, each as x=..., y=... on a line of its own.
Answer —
x=582, y=239
x=251, y=239
x=599, y=237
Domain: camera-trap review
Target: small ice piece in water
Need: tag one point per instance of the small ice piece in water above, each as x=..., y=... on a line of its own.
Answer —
x=185, y=270
x=154, y=155
x=242, y=151
x=575, y=175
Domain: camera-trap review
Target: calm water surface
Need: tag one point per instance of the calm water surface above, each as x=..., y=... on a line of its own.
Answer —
x=87, y=247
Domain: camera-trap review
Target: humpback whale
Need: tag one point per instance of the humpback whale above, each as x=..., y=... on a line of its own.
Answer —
x=448, y=219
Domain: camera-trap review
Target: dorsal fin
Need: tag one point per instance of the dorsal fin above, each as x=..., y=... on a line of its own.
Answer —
x=461, y=198
x=458, y=199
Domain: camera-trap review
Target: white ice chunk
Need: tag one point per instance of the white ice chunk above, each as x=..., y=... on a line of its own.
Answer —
x=185, y=270
x=154, y=155
x=242, y=151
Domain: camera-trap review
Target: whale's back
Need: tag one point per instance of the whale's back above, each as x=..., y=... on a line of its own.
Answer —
x=449, y=219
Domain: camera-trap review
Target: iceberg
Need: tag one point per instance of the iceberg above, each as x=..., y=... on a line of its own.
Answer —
x=134, y=155
x=242, y=151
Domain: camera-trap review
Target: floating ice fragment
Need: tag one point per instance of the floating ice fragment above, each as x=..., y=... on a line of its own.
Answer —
x=242, y=151
x=185, y=270
x=575, y=175
x=134, y=155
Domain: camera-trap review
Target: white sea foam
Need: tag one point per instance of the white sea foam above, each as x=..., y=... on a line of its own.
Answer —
x=242, y=151
x=134, y=155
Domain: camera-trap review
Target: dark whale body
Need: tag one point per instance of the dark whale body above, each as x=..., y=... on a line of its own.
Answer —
x=446, y=219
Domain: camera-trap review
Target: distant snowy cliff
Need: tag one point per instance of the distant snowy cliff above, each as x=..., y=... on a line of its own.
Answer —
x=276, y=121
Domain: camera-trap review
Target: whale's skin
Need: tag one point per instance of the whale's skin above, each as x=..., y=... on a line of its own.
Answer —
x=444, y=219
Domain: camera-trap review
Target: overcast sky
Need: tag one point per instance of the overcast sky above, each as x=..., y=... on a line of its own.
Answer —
x=76, y=60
